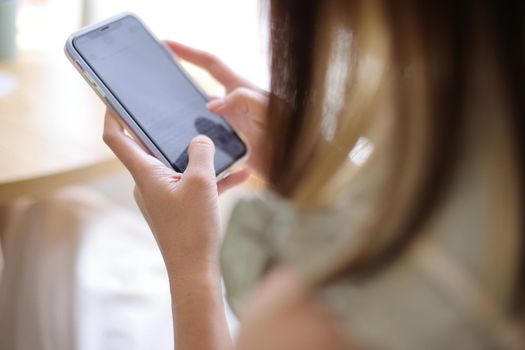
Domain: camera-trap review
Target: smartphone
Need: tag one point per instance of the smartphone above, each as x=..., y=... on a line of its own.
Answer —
x=137, y=76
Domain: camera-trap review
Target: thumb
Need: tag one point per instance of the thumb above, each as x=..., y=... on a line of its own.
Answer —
x=201, y=155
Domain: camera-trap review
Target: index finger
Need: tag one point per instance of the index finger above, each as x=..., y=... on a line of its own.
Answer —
x=218, y=69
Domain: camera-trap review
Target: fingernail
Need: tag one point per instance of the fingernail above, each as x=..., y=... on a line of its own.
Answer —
x=215, y=104
x=202, y=139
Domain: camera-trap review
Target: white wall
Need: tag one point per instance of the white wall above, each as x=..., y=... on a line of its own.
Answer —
x=234, y=30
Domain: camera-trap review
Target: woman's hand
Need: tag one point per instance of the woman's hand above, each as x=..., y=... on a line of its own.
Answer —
x=182, y=212
x=244, y=106
x=181, y=209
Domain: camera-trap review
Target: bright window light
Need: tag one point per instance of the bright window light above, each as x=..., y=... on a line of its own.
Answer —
x=234, y=30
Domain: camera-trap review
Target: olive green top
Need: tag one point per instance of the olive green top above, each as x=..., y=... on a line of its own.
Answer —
x=448, y=292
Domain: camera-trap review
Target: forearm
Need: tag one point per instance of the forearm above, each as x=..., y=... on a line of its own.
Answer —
x=199, y=321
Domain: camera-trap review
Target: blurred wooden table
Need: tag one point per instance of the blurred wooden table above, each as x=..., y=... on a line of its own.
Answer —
x=50, y=128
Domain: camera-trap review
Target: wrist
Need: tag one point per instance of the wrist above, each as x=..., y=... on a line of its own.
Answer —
x=183, y=265
x=194, y=287
x=198, y=310
x=203, y=273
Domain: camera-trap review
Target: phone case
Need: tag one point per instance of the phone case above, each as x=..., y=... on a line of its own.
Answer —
x=107, y=97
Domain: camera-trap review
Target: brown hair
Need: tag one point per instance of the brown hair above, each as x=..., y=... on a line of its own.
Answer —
x=423, y=51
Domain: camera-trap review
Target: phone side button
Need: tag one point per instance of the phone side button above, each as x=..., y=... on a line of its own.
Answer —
x=79, y=66
x=99, y=92
x=88, y=78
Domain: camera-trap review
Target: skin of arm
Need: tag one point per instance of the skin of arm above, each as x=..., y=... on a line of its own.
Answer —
x=198, y=313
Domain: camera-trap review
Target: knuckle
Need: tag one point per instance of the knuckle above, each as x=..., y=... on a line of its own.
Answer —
x=198, y=179
x=108, y=137
x=210, y=59
x=240, y=92
x=241, y=98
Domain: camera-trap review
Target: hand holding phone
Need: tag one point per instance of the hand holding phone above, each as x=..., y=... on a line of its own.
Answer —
x=181, y=209
x=244, y=106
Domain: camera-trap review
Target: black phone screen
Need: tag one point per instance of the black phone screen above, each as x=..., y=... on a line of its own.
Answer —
x=155, y=92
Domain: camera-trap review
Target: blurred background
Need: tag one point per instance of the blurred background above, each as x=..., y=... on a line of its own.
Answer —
x=55, y=167
x=234, y=30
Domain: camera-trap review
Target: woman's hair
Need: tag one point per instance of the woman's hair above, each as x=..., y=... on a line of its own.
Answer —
x=397, y=72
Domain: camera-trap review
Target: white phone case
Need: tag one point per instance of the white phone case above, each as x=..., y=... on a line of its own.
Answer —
x=107, y=96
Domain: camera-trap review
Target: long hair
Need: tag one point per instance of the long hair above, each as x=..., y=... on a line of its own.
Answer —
x=334, y=61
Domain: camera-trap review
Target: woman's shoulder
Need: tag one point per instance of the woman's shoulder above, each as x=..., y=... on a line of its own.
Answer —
x=282, y=314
